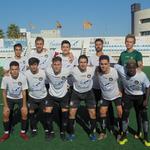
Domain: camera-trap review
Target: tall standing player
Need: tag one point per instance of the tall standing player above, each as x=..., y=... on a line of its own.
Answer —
x=45, y=56
x=94, y=61
x=68, y=60
x=131, y=53
x=18, y=58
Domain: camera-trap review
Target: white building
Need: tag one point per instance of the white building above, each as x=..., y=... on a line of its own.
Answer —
x=140, y=20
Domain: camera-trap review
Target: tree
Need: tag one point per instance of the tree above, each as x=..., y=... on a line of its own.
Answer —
x=1, y=34
x=13, y=31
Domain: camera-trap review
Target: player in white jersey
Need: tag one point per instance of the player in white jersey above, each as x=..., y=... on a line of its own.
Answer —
x=37, y=94
x=18, y=58
x=45, y=56
x=68, y=60
x=14, y=89
x=108, y=81
x=82, y=90
x=136, y=94
x=94, y=61
x=22, y=66
x=58, y=91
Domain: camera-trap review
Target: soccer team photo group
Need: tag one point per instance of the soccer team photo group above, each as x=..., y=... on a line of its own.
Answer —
x=35, y=85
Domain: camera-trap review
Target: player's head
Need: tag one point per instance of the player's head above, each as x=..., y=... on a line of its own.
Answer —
x=131, y=67
x=33, y=64
x=39, y=44
x=14, y=69
x=130, y=41
x=18, y=49
x=83, y=62
x=99, y=45
x=65, y=47
x=104, y=63
x=57, y=64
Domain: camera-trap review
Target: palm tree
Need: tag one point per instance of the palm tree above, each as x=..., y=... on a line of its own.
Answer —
x=1, y=34
x=13, y=31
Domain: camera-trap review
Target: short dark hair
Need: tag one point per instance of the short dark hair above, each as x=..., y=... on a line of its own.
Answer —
x=99, y=40
x=14, y=63
x=17, y=45
x=104, y=57
x=83, y=57
x=130, y=36
x=57, y=58
x=33, y=60
x=65, y=42
x=131, y=61
x=39, y=39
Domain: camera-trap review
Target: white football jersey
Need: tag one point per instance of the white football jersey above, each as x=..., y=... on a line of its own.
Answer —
x=94, y=61
x=36, y=84
x=69, y=65
x=58, y=86
x=83, y=81
x=14, y=87
x=66, y=62
x=133, y=85
x=22, y=64
x=45, y=58
x=109, y=84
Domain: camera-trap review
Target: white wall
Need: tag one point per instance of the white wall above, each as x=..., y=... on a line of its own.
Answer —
x=138, y=27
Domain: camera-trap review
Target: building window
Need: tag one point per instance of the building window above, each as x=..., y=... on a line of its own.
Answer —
x=145, y=33
x=146, y=20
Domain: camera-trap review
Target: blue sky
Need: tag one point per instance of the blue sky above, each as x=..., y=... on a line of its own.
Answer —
x=109, y=17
